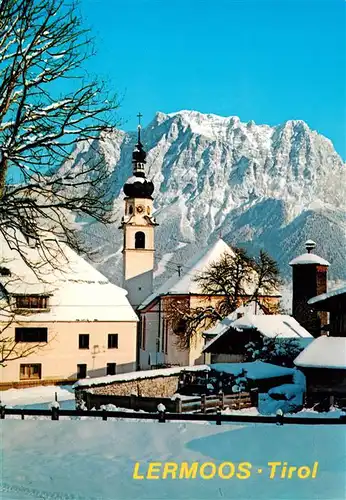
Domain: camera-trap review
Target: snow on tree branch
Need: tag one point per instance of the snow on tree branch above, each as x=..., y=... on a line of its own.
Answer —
x=43, y=48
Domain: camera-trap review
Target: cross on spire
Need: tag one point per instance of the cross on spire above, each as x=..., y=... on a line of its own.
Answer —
x=139, y=116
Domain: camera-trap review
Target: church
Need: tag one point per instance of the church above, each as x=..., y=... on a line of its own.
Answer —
x=156, y=341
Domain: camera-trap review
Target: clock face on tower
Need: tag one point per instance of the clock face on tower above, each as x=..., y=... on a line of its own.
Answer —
x=140, y=209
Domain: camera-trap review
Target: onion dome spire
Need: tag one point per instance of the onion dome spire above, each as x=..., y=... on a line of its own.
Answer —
x=139, y=155
x=138, y=186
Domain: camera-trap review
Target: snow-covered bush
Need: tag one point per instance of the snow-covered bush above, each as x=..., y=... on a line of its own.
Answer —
x=287, y=397
x=278, y=351
x=229, y=383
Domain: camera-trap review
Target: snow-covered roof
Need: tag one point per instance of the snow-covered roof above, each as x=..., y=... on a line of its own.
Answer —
x=222, y=326
x=272, y=325
x=328, y=295
x=78, y=292
x=254, y=370
x=127, y=377
x=324, y=352
x=177, y=285
x=309, y=258
x=269, y=325
x=185, y=284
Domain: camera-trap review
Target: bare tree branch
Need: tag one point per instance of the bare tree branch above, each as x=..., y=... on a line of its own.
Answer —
x=43, y=48
x=231, y=281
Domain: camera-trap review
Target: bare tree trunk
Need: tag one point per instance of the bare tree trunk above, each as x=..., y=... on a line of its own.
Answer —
x=3, y=172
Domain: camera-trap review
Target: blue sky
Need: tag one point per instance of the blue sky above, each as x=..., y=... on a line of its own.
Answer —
x=266, y=60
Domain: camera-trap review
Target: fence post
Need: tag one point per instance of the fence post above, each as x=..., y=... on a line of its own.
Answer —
x=218, y=416
x=55, y=409
x=104, y=414
x=88, y=400
x=254, y=396
x=2, y=410
x=203, y=403
x=221, y=400
x=161, y=409
x=179, y=406
x=55, y=413
x=279, y=417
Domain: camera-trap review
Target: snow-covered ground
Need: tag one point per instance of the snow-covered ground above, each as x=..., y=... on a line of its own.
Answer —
x=42, y=397
x=94, y=460
x=38, y=397
x=90, y=459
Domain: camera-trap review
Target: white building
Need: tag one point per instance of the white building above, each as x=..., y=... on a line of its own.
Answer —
x=66, y=317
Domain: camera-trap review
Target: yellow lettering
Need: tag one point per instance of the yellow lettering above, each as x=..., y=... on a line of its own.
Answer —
x=204, y=466
x=314, y=470
x=283, y=472
x=186, y=472
x=290, y=471
x=304, y=472
x=170, y=468
x=153, y=467
x=223, y=474
x=135, y=472
x=273, y=466
x=244, y=467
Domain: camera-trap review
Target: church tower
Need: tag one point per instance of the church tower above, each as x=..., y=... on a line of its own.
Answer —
x=138, y=225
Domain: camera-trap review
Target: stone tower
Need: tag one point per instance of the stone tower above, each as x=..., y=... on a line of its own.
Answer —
x=138, y=225
x=309, y=280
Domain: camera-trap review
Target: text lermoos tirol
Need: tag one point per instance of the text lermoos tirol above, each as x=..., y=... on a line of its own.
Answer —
x=224, y=470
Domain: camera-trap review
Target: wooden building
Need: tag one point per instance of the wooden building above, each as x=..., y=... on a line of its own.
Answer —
x=333, y=302
x=323, y=363
x=229, y=344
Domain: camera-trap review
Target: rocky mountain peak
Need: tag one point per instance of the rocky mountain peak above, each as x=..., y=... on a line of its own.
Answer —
x=259, y=186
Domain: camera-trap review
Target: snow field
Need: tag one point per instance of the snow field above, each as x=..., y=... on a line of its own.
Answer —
x=93, y=460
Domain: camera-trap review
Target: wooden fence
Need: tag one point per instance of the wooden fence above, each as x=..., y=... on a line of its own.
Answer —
x=161, y=417
x=207, y=404
x=203, y=404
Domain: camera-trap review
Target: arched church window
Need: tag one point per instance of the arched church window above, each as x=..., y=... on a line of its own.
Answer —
x=140, y=240
x=130, y=209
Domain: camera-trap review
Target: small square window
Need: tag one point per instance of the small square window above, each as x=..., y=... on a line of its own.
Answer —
x=111, y=368
x=81, y=371
x=28, y=372
x=112, y=341
x=84, y=341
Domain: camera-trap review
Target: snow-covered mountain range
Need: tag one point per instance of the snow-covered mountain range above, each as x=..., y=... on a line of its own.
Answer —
x=257, y=186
